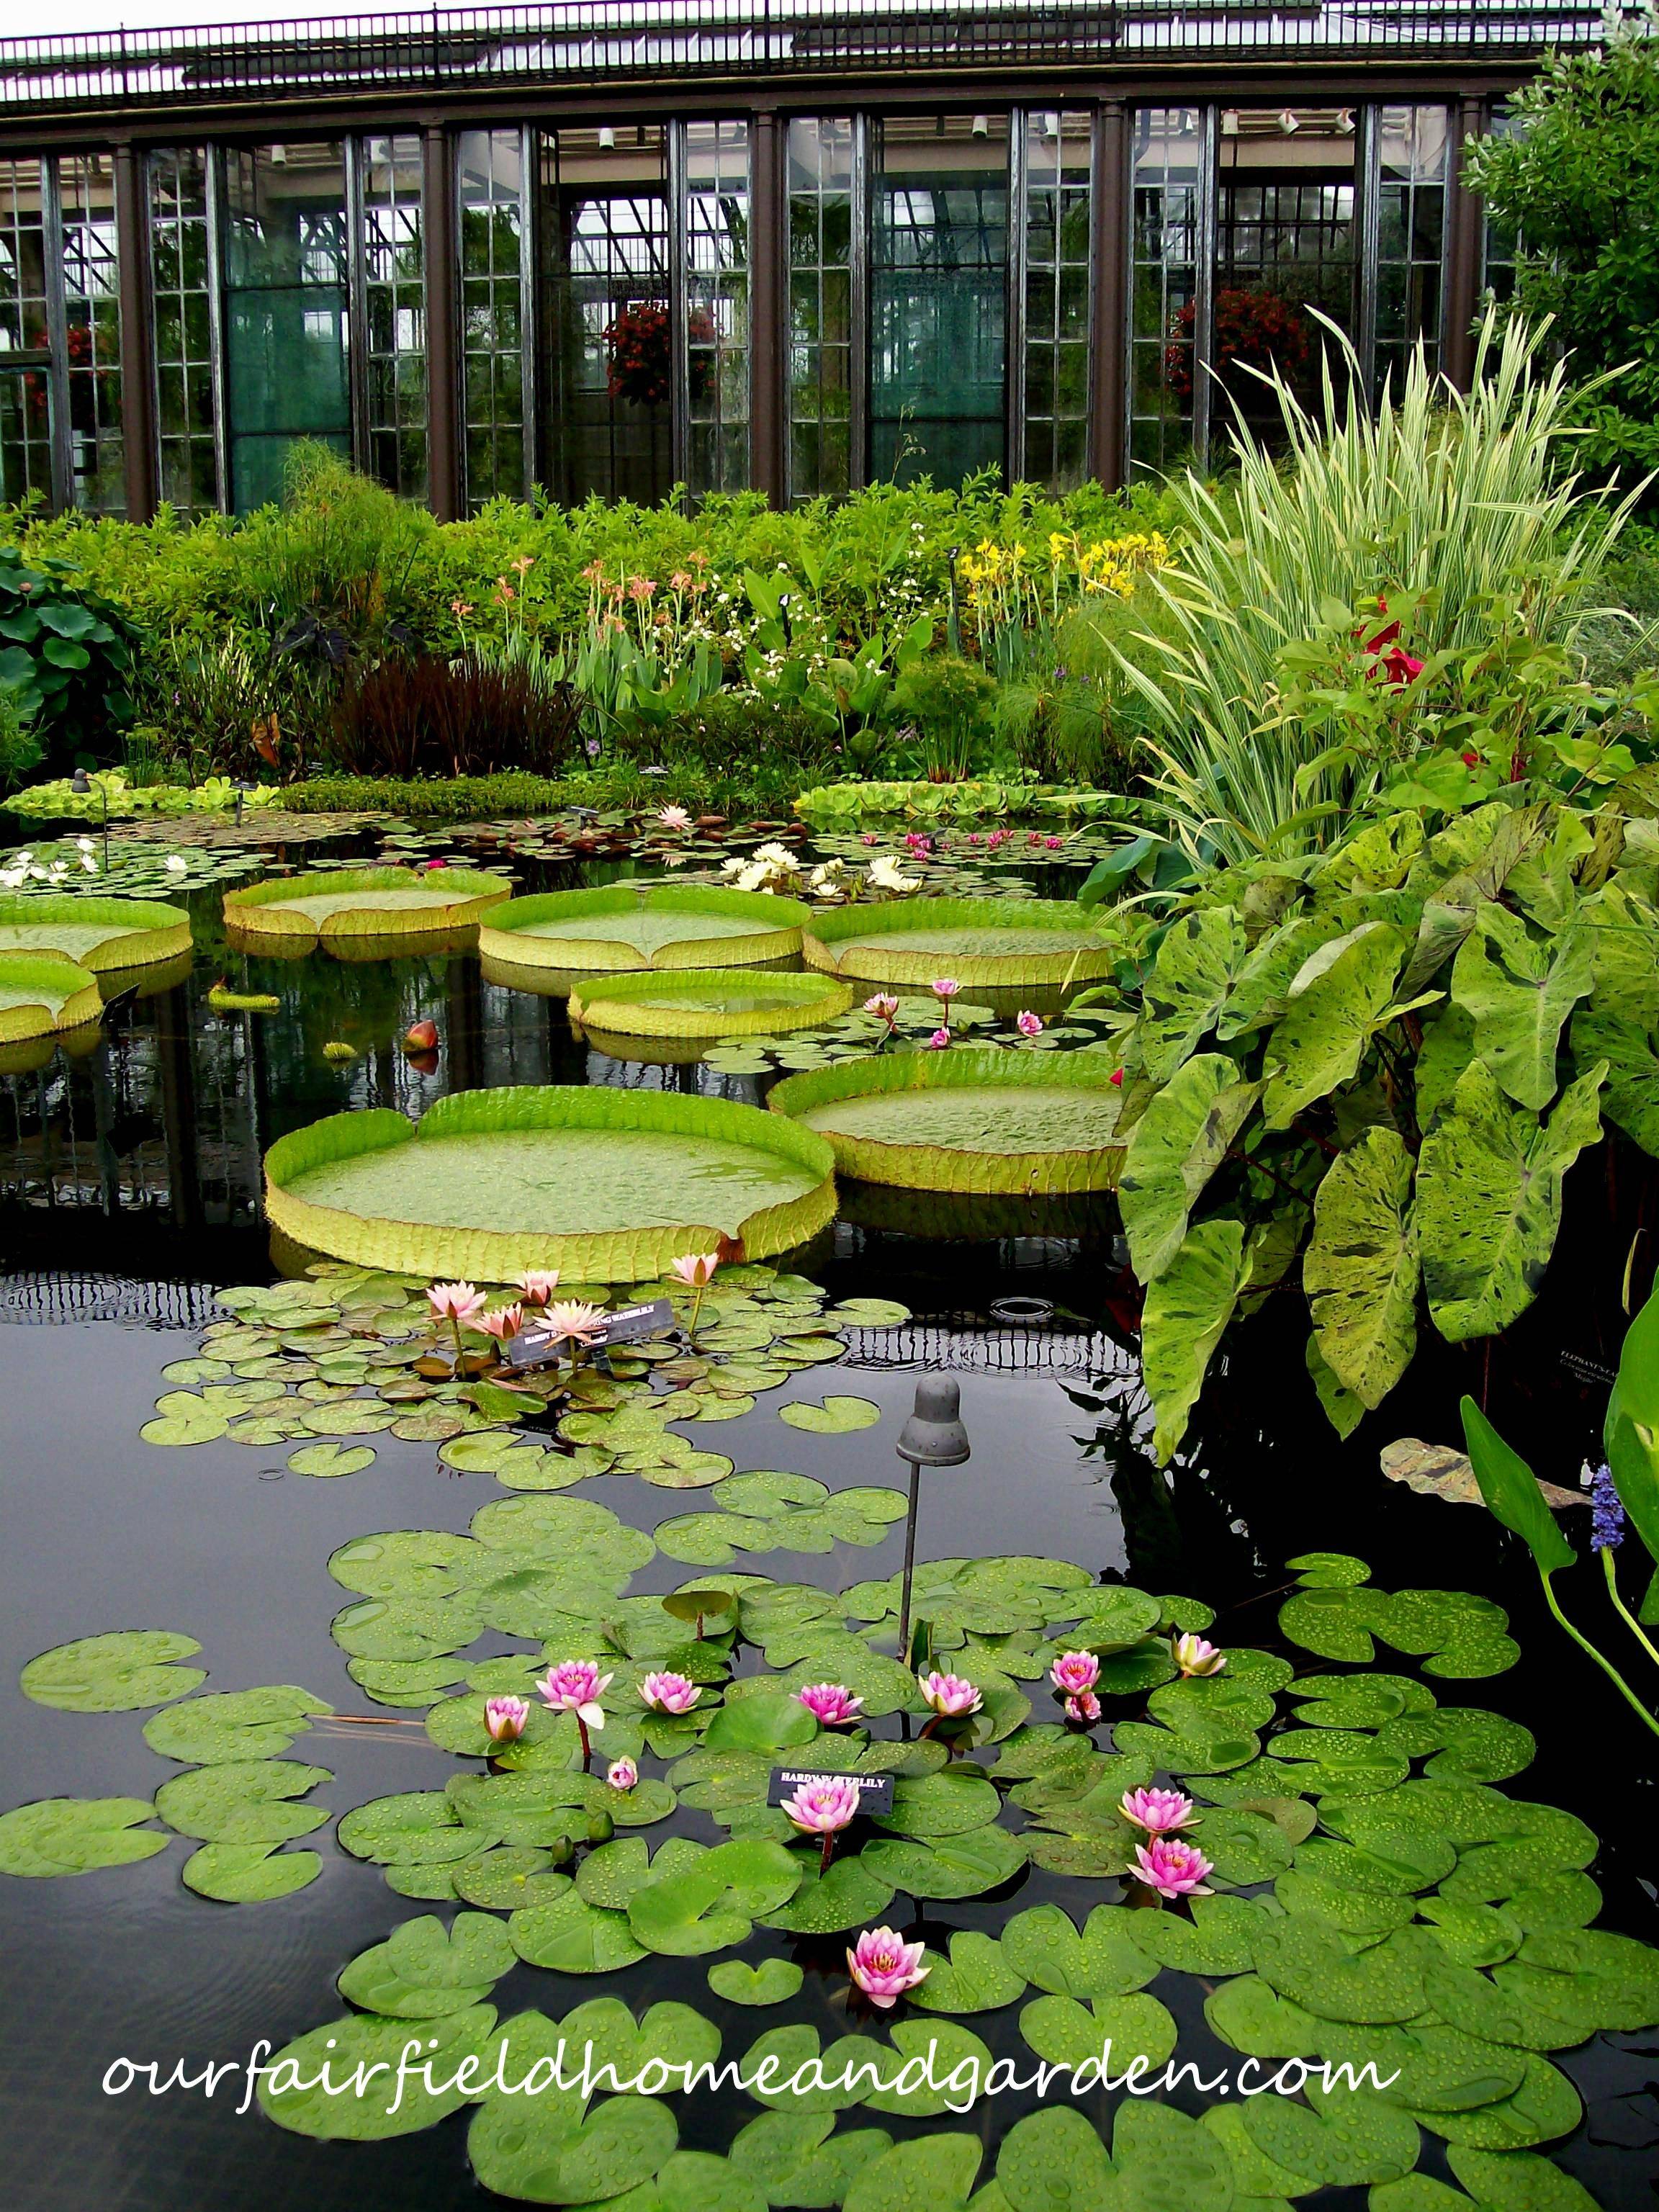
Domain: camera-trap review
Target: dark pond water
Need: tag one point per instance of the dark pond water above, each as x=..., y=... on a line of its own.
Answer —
x=129, y=1186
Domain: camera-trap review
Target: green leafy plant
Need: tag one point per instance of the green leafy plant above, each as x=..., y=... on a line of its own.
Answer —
x=67, y=661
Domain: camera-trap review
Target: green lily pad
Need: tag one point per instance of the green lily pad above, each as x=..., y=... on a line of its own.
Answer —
x=243, y=1801
x=1546, y=2106
x=976, y=1977
x=1104, y=1960
x=182, y=1418
x=834, y=1417
x=77, y=1835
x=1164, y=2158
x=1252, y=2017
x=331, y=1458
x=1218, y=1939
x=417, y=1828
x=1346, y=2139
x=948, y=1803
x=788, y=2159
x=120, y=1673
x=1308, y=1963
x=543, y=2150
x=965, y=1865
x=508, y=1877
x=1052, y=2161
x=424, y=1969
x=850, y=1895
x=235, y=1724
x=248, y=1873
x=1067, y=2033
x=827, y=2080
x=1517, y=2181
x=711, y=1905
x=574, y=1937
x=934, y=2174
x=772, y=1982
x=351, y=2049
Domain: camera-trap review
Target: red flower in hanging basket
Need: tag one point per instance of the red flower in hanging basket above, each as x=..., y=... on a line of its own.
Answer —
x=1255, y=327
x=640, y=363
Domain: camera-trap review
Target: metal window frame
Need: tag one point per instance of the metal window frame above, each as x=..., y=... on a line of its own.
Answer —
x=214, y=293
x=858, y=259
x=529, y=196
x=1019, y=215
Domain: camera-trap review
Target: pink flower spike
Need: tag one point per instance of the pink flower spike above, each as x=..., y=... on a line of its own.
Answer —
x=668, y=1693
x=622, y=1774
x=1160, y=1811
x=950, y=1696
x=1075, y=1671
x=506, y=1322
x=939, y=1041
x=1083, y=1710
x=824, y=1808
x=696, y=1269
x=1028, y=1023
x=538, y=1285
x=945, y=987
x=832, y=1704
x=884, y=1966
x=457, y=1302
x=1172, y=1867
x=504, y=1718
x=1193, y=1656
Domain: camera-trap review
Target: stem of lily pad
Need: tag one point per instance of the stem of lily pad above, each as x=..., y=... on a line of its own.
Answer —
x=1622, y=1609
x=697, y=1307
x=1606, y=1665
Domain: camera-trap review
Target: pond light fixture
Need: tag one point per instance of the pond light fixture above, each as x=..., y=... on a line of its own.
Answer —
x=82, y=786
x=934, y=1436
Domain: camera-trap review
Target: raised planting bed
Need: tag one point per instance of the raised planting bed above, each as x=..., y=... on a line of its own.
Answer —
x=606, y=1186
x=707, y=1002
x=105, y=936
x=43, y=994
x=347, y=910
x=1005, y=944
x=643, y=925
x=1031, y=1123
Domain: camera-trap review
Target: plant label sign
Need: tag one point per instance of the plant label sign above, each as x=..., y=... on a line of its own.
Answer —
x=537, y=1348
x=875, y=1790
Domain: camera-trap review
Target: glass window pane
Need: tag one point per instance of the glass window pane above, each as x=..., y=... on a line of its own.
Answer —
x=820, y=152
x=716, y=313
x=1169, y=165
x=939, y=297
x=490, y=167
x=395, y=314
x=1057, y=225
x=92, y=332
x=179, y=278
x=1412, y=147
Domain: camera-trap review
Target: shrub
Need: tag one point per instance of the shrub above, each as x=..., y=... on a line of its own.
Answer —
x=67, y=659
x=430, y=717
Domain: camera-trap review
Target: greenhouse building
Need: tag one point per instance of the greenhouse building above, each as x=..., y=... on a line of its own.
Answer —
x=611, y=246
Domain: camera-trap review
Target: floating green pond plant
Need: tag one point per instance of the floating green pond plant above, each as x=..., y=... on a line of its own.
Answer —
x=712, y=1002
x=646, y=924
x=604, y=1185
x=986, y=943
x=971, y=1122
x=108, y=936
x=46, y=994
x=346, y=909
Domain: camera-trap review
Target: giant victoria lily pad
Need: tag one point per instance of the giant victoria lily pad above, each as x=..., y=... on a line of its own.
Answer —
x=338, y=906
x=606, y=1186
x=638, y=927
x=980, y=1122
x=990, y=942
x=104, y=935
x=707, y=1002
x=44, y=994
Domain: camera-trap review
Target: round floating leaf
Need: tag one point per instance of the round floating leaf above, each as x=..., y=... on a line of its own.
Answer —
x=76, y=1835
x=541, y=2150
x=934, y=2174
x=948, y=1803
x=1448, y=2071
x=764, y=1722
x=850, y=1895
x=836, y=1417
x=507, y=1878
x=1164, y=2158
x=770, y=1983
x=1218, y=1939
x=181, y=1418
x=351, y=2050
x=951, y=2046
x=1247, y=2013
x=796, y=2058
x=417, y=1827
x=248, y=1873
x=1345, y=2141
x=790, y=2162
x=424, y=1969
x=1309, y=1963
x=975, y=1977
x=965, y=1865
x=235, y=1724
x=1066, y=2033
x=574, y=1937
x=120, y=1673
x=1546, y=2106
x=711, y=1905
x=1517, y=2181
x=1104, y=1960
x=331, y=1458
x=243, y=1801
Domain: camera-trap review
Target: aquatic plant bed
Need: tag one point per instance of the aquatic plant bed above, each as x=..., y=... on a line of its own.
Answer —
x=42, y=994
x=644, y=926
x=965, y=1121
x=984, y=942
x=333, y=905
x=708, y=1002
x=104, y=935
x=604, y=1185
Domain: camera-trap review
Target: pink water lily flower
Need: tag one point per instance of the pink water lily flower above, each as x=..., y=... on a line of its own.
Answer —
x=575, y=1686
x=950, y=1696
x=823, y=1809
x=622, y=1774
x=1173, y=1867
x=1160, y=1811
x=1083, y=1710
x=696, y=1269
x=1193, y=1656
x=1028, y=1023
x=505, y=1323
x=884, y=1966
x=832, y=1704
x=572, y=1322
x=538, y=1285
x=945, y=987
x=939, y=1040
x=674, y=818
x=883, y=1005
x=1074, y=1671
x=668, y=1693
x=456, y=1302
x=505, y=1718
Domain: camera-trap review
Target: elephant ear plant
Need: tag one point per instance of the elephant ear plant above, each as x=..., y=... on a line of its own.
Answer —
x=1373, y=1068
x=1624, y=1492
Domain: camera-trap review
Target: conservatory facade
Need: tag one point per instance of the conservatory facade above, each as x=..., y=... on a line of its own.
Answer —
x=609, y=246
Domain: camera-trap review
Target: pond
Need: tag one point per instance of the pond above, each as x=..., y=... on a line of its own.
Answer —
x=130, y=1179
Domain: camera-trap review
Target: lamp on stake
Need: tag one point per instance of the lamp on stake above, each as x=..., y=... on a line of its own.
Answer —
x=932, y=1437
x=82, y=786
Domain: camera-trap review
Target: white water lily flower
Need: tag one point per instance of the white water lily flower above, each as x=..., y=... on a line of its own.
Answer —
x=84, y=844
x=886, y=875
x=177, y=864
x=775, y=855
